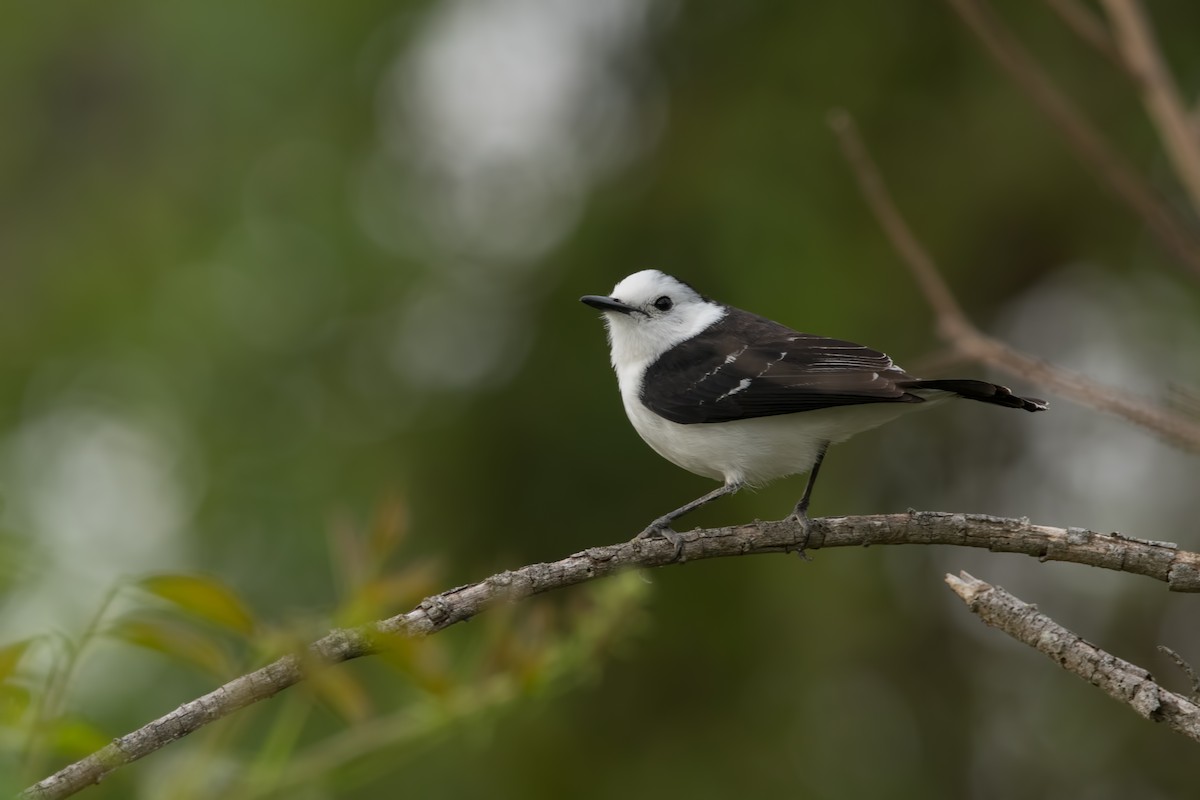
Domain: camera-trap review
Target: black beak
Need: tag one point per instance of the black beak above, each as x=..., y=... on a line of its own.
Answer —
x=606, y=304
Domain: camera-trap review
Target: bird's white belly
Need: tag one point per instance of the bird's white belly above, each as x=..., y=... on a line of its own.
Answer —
x=758, y=450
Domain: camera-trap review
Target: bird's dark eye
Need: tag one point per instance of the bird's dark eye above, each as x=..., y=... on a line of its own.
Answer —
x=663, y=303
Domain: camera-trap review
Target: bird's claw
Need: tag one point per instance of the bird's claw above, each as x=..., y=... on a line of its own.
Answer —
x=800, y=517
x=664, y=530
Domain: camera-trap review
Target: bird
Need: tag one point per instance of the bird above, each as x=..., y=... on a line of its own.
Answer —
x=738, y=398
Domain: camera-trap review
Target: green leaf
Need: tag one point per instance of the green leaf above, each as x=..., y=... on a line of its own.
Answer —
x=10, y=656
x=74, y=738
x=14, y=702
x=202, y=597
x=174, y=639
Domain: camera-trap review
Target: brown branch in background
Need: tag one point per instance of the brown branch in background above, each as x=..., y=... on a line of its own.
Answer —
x=952, y=322
x=957, y=330
x=1089, y=27
x=1177, y=235
x=1164, y=105
x=1163, y=561
x=1119, y=679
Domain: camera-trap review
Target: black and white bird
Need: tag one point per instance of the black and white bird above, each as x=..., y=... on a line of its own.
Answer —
x=738, y=398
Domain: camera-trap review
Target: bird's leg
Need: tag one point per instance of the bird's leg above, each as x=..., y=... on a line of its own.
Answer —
x=800, y=512
x=662, y=525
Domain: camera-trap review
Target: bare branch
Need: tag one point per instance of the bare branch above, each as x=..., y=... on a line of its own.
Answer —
x=1177, y=235
x=1119, y=679
x=1159, y=92
x=957, y=330
x=1163, y=561
x=1089, y=27
x=952, y=322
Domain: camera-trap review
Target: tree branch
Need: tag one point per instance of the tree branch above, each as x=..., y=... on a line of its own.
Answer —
x=954, y=326
x=1165, y=107
x=1090, y=27
x=1176, y=235
x=1119, y=679
x=1163, y=561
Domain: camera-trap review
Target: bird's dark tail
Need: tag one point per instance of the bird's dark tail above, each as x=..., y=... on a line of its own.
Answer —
x=982, y=391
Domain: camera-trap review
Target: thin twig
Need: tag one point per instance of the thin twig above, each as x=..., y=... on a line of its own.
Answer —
x=1186, y=668
x=958, y=331
x=51, y=701
x=1160, y=94
x=1178, y=236
x=1163, y=561
x=1119, y=679
x=952, y=322
x=1090, y=27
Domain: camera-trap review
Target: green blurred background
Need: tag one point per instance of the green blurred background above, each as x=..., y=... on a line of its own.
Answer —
x=268, y=268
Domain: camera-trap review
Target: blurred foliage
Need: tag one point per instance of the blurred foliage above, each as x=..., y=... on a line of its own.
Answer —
x=290, y=338
x=199, y=622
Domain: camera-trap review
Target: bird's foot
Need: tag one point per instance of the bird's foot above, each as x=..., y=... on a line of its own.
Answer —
x=663, y=528
x=800, y=517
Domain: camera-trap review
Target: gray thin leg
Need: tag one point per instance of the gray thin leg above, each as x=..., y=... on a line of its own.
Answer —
x=800, y=512
x=662, y=525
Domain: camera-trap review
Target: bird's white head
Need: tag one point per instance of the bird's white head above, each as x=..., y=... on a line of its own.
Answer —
x=650, y=312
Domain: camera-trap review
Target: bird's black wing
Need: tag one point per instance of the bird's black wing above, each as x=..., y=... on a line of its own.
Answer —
x=746, y=366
